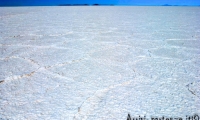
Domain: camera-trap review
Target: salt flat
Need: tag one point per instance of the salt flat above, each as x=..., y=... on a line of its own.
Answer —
x=99, y=62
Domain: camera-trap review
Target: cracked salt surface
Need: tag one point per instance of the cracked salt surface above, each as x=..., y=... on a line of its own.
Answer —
x=99, y=62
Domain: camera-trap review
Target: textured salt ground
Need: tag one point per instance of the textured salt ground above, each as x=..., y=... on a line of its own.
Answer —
x=99, y=62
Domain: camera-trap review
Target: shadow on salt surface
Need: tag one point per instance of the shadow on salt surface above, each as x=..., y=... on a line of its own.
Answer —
x=192, y=44
x=49, y=57
x=15, y=66
x=116, y=54
x=92, y=103
x=169, y=53
x=92, y=72
x=43, y=93
x=164, y=97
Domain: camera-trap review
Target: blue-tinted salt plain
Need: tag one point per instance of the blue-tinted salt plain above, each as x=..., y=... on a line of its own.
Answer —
x=99, y=63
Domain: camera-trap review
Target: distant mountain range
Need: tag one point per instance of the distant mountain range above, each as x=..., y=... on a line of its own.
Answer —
x=173, y=5
x=114, y=5
x=86, y=5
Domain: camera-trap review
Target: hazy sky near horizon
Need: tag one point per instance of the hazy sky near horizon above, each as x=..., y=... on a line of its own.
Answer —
x=115, y=2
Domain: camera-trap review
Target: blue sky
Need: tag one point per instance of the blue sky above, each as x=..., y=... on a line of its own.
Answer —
x=115, y=2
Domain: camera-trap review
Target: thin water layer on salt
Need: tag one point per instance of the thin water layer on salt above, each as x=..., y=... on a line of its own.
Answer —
x=99, y=62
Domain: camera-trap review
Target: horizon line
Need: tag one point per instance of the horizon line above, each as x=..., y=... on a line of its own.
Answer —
x=164, y=5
